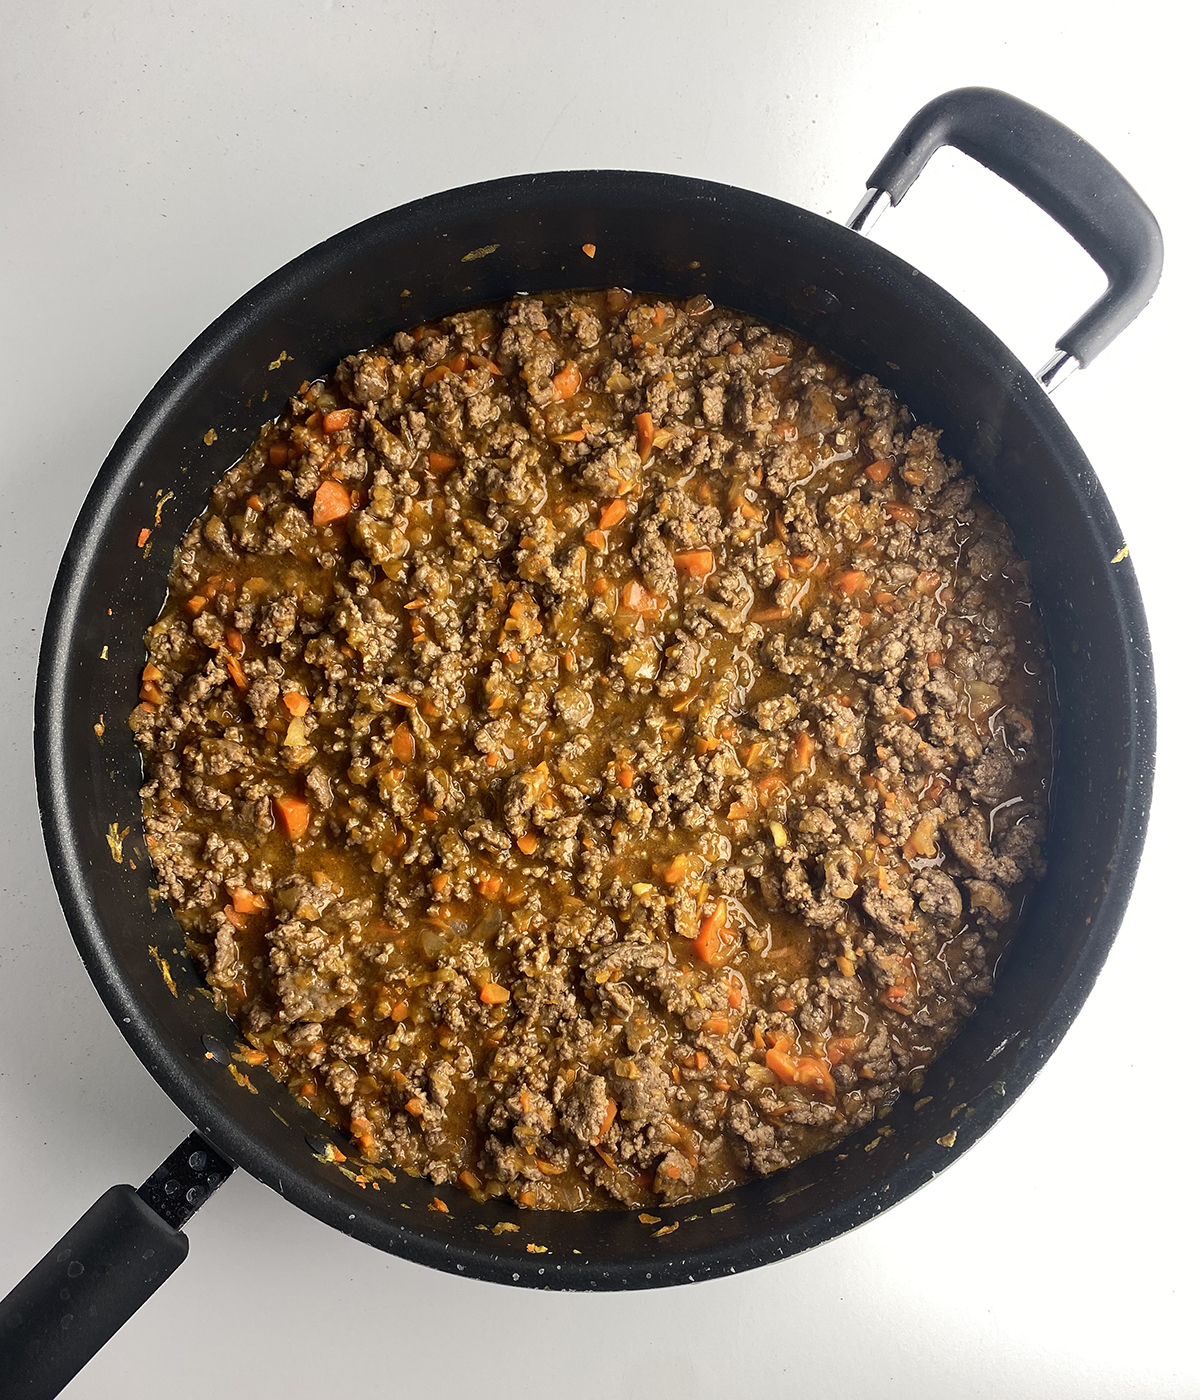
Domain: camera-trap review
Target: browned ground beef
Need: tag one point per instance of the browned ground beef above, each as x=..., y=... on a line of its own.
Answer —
x=596, y=748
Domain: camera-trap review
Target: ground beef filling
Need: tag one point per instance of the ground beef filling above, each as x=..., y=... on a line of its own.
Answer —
x=596, y=748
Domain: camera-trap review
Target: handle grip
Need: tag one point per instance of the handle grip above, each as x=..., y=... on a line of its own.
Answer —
x=84, y=1290
x=101, y=1271
x=1059, y=171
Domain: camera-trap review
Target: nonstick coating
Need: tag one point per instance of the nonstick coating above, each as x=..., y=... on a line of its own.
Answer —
x=672, y=236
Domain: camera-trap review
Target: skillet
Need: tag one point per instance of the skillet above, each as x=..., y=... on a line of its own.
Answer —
x=673, y=236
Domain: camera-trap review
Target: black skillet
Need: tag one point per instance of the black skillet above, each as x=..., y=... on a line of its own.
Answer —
x=673, y=236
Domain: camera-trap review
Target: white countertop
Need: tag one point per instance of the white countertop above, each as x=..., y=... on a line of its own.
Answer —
x=161, y=159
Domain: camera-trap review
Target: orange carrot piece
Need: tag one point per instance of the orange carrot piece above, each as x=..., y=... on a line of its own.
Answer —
x=716, y=1025
x=442, y=462
x=712, y=944
x=577, y=436
x=880, y=470
x=143, y=536
x=803, y=1070
x=277, y=454
x=247, y=902
x=803, y=751
x=295, y=703
x=613, y=513
x=404, y=746
x=851, y=581
x=568, y=381
x=595, y=538
x=903, y=513
x=589, y=250
x=696, y=563
x=196, y=604
x=331, y=503
x=292, y=814
x=527, y=844
x=493, y=994
x=645, y=435
x=610, y=1117
x=337, y=420
x=237, y=673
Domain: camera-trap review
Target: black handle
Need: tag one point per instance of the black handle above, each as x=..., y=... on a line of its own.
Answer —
x=1058, y=170
x=101, y=1271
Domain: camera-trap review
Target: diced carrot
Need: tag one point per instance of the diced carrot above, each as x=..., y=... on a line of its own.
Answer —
x=613, y=513
x=493, y=994
x=905, y=514
x=935, y=658
x=568, y=381
x=237, y=673
x=677, y=870
x=839, y=1049
x=695, y=563
x=577, y=436
x=638, y=598
x=196, y=604
x=739, y=811
x=610, y=1117
x=415, y=1107
x=735, y=995
x=234, y=917
x=803, y=751
x=277, y=454
x=803, y=1070
x=645, y=435
x=256, y=502
x=659, y=315
x=432, y=376
x=712, y=944
x=490, y=885
x=880, y=470
x=399, y=1010
x=337, y=420
x=247, y=902
x=404, y=746
x=716, y=1025
x=292, y=814
x=295, y=703
x=527, y=844
x=851, y=581
x=331, y=503
x=895, y=997
x=234, y=641
x=595, y=538
x=469, y=1181
x=589, y=250
x=442, y=462
x=625, y=777
x=143, y=536
x=926, y=582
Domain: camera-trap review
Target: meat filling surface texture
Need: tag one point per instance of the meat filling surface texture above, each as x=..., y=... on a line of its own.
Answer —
x=596, y=748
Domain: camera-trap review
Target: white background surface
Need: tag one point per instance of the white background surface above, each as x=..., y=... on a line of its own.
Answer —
x=159, y=159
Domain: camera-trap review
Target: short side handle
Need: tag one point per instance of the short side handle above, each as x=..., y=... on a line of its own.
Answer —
x=84, y=1290
x=1059, y=171
x=101, y=1271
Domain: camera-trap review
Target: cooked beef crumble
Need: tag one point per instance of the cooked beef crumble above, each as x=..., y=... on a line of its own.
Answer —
x=596, y=748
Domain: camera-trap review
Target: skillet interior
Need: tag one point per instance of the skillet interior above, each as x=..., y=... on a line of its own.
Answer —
x=672, y=236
